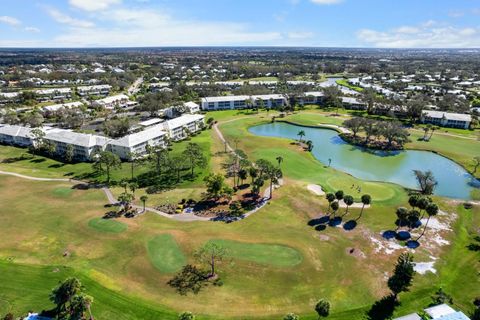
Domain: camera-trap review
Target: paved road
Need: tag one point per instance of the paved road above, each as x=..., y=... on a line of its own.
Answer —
x=135, y=87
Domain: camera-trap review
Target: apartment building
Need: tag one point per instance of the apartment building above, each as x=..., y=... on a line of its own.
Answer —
x=243, y=102
x=446, y=119
x=95, y=90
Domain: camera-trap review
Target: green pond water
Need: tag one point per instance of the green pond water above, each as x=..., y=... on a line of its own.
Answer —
x=394, y=166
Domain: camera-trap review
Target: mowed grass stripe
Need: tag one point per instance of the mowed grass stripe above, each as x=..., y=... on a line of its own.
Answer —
x=165, y=253
x=107, y=225
x=275, y=255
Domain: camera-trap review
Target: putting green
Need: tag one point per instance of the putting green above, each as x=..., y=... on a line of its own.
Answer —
x=262, y=253
x=107, y=225
x=165, y=253
x=62, y=192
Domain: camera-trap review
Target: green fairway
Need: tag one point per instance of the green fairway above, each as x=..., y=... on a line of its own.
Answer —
x=261, y=253
x=278, y=262
x=165, y=254
x=107, y=225
x=63, y=192
x=27, y=287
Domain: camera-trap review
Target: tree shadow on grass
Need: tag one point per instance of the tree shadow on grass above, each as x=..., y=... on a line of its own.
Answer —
x=317, y=221
x=321, y=227
x=335, y=222
x=413, y=244
x=382, y=309
x=39, y=160
x=389, y=234
x=350, y=225
x=56, y=165
x=403, y=235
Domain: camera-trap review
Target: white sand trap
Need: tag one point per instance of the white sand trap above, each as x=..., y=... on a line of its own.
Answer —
x=316, y=189
x=424, y=267
x=386, y=246
x=435, y=224
x=357, y=205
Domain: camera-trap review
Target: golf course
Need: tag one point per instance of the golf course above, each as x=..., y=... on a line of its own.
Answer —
x=280, y=259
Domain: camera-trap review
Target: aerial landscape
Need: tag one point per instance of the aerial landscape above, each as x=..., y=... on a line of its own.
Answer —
x=210, y=160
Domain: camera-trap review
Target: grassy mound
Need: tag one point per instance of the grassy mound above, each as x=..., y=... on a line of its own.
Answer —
x=107, y=225
x=165, y=253
x=262, y=253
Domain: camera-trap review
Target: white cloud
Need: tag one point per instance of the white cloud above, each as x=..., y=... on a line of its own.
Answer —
x=32, y=29
x=66, y=19
x=10, y=21
x=428, y=35
x=93, y=5
x=323, y=2
x=136, y=27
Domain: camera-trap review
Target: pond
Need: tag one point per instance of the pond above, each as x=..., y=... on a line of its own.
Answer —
x=388, y=166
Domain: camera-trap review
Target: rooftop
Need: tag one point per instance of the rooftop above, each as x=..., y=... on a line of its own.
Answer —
x=447, y=115
x=140, y=137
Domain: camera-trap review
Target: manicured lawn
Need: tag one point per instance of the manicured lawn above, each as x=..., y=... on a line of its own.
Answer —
x=107, y=225
x=261, y=253
x=63, y=192
x=279, y=263
x=165, y=254
x=20, y=161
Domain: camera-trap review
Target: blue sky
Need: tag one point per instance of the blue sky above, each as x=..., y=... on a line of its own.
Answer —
x=325, y=23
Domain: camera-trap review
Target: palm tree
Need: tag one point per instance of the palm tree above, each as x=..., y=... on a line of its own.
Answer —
x=425, y=131
x=330, y=198
x=339, y=195
x=432, y=131
x=279, y=160
x=144, y=199
x=402, y=215
x=301, y=134
x=432, y=210
x=334, y=205
x=413, y=201
x=348, y=199
x=366, y=200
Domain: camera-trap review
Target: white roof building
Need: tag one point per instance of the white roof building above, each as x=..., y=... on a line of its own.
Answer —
x=120, y=100
x=446, y=119
x=412, y=316
x=137, y=142
x=56, y=107
x=102, y=89
x=150, y=122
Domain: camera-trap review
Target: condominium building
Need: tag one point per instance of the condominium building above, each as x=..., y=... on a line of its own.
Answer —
x=353, y=103
x=120, y=100
x=85, y=145
x=136, y=143
x=178, y=128
x=96, y=90
x=446, y=119
x=54, y=94
x=243, y=102
x=15, y=135
x=56, y=107
x=9, y=97
x=312, y=97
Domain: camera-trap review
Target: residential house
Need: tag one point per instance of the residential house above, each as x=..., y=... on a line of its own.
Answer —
x=9, y=97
